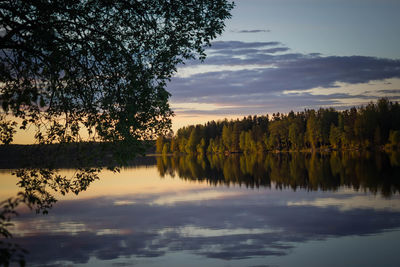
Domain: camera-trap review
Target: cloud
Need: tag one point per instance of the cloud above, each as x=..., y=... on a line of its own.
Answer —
x=261, y=72
x=250, y=31
x=240, y=45
x=393, y=91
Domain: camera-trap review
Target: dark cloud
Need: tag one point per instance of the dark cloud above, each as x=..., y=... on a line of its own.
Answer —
x=227, y=56
x=272, y=74
x=240, y=45
x=394, y=91
x=250, y=31
x=275, y=50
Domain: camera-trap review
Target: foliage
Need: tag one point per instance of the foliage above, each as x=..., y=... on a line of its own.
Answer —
x=7, y=130
x=99, y=65
x=83, y=70
x=394, y=139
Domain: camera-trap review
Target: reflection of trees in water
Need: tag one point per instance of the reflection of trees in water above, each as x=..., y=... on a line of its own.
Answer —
x=373, y=172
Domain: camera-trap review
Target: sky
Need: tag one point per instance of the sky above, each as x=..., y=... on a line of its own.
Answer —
x=282, y=55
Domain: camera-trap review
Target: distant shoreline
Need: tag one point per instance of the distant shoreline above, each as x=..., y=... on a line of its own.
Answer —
x=16, y=156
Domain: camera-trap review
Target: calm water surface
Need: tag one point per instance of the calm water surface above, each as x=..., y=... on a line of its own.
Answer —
x=272, y=210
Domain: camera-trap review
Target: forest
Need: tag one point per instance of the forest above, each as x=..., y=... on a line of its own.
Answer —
x=374, y=126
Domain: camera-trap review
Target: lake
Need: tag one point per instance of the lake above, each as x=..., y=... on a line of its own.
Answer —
x=287, y=209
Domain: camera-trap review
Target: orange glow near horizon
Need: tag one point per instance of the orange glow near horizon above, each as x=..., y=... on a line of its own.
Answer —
x=139, y=181
x=181, y=120
x=129, y=181
x=197, y=115
x=26, y=137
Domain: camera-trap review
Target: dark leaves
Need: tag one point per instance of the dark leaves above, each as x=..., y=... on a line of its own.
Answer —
x=100, y=63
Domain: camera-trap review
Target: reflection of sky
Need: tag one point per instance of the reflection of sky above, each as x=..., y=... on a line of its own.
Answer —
x=201, y=224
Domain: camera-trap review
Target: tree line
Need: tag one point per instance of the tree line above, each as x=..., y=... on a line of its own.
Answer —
x=376, y=125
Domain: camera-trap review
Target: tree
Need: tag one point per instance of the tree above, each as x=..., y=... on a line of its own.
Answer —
x=174, y=145
x=326, y=117
x=99, y=65
x=193, y=141
x=346, y=125
x=201, y=147
x=296, y=135
x=313, y=132
x=227, y=133
x=335, y=137
x=242, y=141
x=235, y=146
x=394, y=139
x=250, y=144
x=95, y=70
x=165, y=149
x=160, y=144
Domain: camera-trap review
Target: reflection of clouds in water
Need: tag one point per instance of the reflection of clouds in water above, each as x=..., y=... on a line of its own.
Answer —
x=355, y=202
x=123, y=202
x=193, y=231
x=35, y=227
x=194, y=196
x=240, y=226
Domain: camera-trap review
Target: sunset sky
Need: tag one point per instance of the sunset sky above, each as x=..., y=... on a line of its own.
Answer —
x=282, y=55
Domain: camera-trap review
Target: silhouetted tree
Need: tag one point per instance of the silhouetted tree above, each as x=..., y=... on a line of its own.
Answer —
x=77, y=70
x=99, y=65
